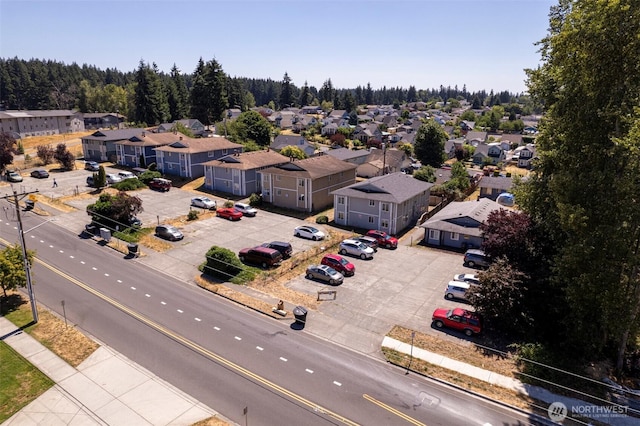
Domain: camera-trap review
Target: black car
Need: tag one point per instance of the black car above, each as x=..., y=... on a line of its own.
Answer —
x=369, y=241
x=284, y=248
x=40, y=174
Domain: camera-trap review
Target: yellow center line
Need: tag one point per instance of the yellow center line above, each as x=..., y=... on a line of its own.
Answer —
x=393, y=410
x=196, y=347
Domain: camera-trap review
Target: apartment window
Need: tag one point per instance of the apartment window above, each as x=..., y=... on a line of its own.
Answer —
x=341, y=215
x=211, y=154
x=227, y=183
x=266, y=192
x=372, y=203
x=225, y=151
x=455, y=236
x=301, y=182
x=277, y=177
x=301, y=197
x=385, y=207
x=434, y=234
x=278, y=192
x=384, y=224
x=340, y=200
x=370, y=219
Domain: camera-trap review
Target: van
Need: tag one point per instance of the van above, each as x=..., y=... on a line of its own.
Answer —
x=476, y=258
x=457, y=290
x=262, y=256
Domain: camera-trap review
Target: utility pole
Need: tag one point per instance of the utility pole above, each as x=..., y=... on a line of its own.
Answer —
x=27, y=266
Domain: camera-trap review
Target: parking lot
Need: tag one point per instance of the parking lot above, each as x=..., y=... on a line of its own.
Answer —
x=401, y=286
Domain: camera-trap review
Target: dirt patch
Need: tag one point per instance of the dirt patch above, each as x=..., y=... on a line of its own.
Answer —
x=211, y=421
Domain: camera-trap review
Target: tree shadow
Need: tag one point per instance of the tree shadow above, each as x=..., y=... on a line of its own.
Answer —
x=11, y=303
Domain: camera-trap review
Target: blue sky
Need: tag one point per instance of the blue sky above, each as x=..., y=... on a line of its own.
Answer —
x=424, y=43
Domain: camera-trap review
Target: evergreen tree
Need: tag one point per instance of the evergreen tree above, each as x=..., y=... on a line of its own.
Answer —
x=199, y=95
x=305, y=97
x=151, y=105
x=286, y=96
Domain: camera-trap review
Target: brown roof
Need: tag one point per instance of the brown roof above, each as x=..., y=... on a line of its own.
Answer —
x=314, y=167
x=146, y=138
x=191, y=145
x=249, y=160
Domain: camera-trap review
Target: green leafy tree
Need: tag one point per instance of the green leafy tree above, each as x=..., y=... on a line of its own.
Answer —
x=426, y=174
x=407, y=148
x=429, y=144
x=585, y=186
x=250, y=126
x=64, y=157
x=12, y=272
x=222, y=263
x=114, y=211
x=7, y=147
x=293, y=151
x=181, y=128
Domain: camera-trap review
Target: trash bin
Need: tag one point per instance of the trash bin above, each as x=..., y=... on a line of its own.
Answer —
x=105, y=234
x=91, y=229
x=29, y=204
x=300, y=314
x=133, y=249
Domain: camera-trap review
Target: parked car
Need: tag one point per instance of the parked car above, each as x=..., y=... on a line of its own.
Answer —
x=459, y=319
x=245, y=209
x=457, y=290
x=339, y=263
x=309, y=232
x=262, y=256
x=284, y=248
x=169, y=232
x=356, y=248
x=467, y=278
x=13, y=176
x=159, y=184
x=113, y=178
x=229, y=213
x=384, y=240
x=92, y=166
x=476, y=258
x=204, y=203
x=324, y=273
x=370, y=241
x=91, y=181
x=127, y=175
x=40, y=174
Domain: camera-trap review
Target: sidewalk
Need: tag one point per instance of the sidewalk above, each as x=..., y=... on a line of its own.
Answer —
x=106, y=389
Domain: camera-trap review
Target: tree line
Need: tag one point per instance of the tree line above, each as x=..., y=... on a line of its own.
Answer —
x=150, y=96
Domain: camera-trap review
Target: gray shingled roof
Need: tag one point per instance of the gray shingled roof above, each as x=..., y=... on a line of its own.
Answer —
x=249, y=160
x=393, y=188
x=477, y=210
x=347, y=154
x=114, y=135
x=314, y=167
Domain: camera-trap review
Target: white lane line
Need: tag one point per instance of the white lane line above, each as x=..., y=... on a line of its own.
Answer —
x=41, y=241
x=197, y=319
x=94, y=268
x=337, y=383
x=50, y=246
x=119, y=281
x=61, y=251
x=216, y=328
x=71, y=256
x=283, y=359
x=133, y=288
x=163, y=303
x=237, y=338
x=308, y=371
x=82, y=262
x=260, y=348
x=147, y=295
x=180, y=311
x=106, y=275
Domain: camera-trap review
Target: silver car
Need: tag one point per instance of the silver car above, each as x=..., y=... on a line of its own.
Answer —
x=203, y=202
x=356, y=248
x=245, y=209
x=324, y=273
x=169, y=232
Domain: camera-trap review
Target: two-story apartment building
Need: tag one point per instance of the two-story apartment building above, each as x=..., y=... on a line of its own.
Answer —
x=140, y=149
x=307, y=184
x=390, y=203
x=101, y=144
x=22, y=124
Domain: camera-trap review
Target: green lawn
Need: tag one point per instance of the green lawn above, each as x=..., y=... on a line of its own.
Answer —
x=20, y=382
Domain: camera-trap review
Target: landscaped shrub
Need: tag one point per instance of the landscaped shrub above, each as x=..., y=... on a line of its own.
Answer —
x=221, y=263
x=255, y=199
x=192, y=215
x=128, y=185
x=322, y=219
x=228, y=204
x=148, y=175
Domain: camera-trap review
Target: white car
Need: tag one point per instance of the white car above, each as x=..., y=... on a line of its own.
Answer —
x=467, y=278
x=356, y=248
x=308, y=232
x=204, y=203
x=113, y=178
x=245, y=209
x=127, y=175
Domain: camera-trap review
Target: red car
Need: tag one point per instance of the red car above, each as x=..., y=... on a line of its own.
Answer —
x=459, y=319
x=340, y=264
x=384, y=240
x=229, y=213
x=159, y=184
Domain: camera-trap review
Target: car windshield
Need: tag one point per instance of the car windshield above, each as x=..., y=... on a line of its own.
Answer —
x=331, y=271
x=205, y=199
x=344, y=261
x=310, y=229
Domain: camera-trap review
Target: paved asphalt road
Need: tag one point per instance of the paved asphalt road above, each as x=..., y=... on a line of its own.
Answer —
x=351, y=385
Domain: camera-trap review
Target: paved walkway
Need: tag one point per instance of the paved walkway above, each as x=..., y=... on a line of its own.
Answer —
x=106, y=389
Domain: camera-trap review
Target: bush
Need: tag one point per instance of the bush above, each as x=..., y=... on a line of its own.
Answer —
x=228, y=204
x=221, y=263
x=255, y=199
x=128, y=185
x=193, y=215
x=322, y=219
x=149, y=175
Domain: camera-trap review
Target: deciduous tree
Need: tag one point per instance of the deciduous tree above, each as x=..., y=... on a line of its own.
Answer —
x=429, y=144
x=12, y=273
